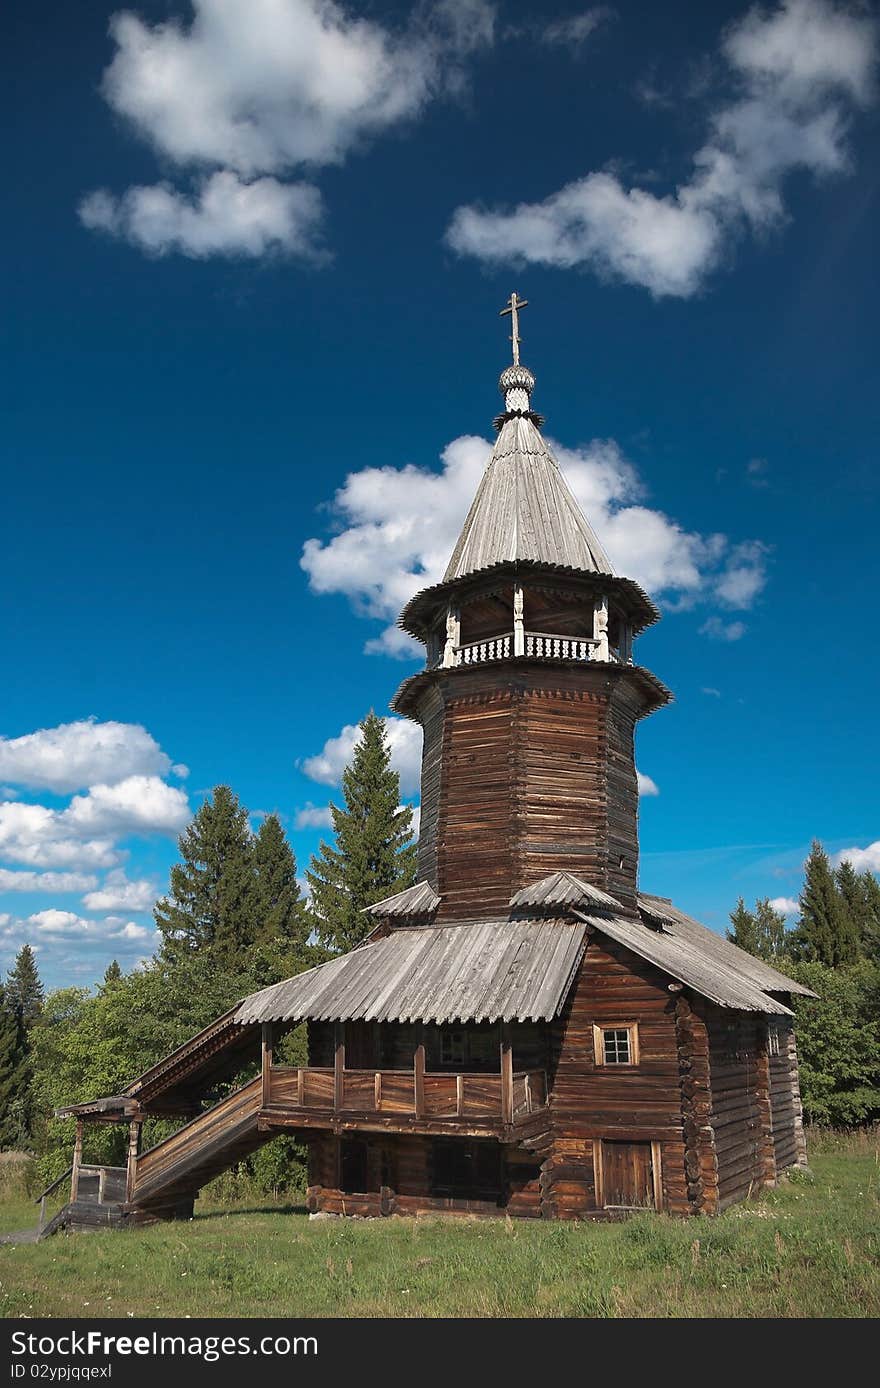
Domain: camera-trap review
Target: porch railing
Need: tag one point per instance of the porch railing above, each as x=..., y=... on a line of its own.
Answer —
x=405, y=1092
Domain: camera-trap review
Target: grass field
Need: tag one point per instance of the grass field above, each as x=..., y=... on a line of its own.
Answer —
x=809, y=1248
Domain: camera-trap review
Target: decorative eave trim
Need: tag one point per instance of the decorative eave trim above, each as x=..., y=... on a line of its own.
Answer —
x=657, y=693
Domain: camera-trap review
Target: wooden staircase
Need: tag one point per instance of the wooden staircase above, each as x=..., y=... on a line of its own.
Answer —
x=176, y=1168
x=168, y=1176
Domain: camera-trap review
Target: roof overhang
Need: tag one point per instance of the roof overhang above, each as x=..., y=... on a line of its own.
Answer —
x=422, y=610
x=653, y=693
x=485, y=971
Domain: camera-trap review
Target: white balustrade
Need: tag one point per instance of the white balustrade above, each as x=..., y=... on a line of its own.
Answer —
x=476, y=652
x=550, y=647
x=538, y=644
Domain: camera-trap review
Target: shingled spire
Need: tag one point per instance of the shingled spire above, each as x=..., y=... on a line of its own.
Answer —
x=524, y=509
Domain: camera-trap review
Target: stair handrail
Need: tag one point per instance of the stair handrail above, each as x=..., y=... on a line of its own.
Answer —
x=42, y=1197
x=178, y=1133
x=54, y=1186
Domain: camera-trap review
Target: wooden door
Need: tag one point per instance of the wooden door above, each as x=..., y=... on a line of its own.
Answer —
x=627, y=1175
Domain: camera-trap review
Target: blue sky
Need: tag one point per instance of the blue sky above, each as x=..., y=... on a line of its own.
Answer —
x=253, y=271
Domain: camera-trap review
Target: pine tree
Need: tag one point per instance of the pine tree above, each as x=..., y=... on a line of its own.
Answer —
x=283, y=922
x=825, y=932
x=212, y=902
x=24, y=990
x=745, y=928
x=374, y=855
x=14, y=1077
x=112, y=973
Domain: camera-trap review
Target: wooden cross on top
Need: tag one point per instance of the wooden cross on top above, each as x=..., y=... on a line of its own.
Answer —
x=513, y=308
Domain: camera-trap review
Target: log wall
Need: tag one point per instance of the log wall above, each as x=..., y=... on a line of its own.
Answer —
x=528, y=770
x=591, y=1102
x=740, y=1083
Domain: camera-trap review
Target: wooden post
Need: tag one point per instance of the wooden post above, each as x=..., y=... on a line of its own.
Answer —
x=419, y=1075
x=519, y=635
x=134, y=1142
x=267, y=1063
x=338, y=1065
x=766, y=1155
x=506, y=1074
x=600, y=629
x=453, y=636
x=77, y=1160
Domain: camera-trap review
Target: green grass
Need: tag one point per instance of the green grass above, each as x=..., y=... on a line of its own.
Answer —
x=809, y=1248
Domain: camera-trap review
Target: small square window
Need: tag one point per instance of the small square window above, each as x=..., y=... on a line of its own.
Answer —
x=616, y=1044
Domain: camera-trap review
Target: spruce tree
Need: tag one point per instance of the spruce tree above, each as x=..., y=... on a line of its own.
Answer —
x=112, y=973
x=374, y=855
x=24, y=990
x=871, y=892
x=854, y=899
x=824, y=934
x=745, y=928
x=212, y=903
x=772, y=937
x=14, y=1077
x=283, y=922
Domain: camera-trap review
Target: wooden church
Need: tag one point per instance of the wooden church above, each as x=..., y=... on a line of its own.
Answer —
x=523, y=1031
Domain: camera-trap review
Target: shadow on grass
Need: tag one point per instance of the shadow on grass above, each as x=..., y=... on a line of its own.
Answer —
x=225, y=1211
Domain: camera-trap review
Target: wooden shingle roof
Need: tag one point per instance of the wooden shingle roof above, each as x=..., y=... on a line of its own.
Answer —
x=524, y=511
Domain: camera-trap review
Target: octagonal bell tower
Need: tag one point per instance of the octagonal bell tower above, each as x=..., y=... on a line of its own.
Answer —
x=530, y=695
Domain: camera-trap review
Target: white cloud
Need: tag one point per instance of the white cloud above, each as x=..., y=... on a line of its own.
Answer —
x=398, y=527
x=180, y=770
x=119, y=893
x=137, y=805
x=744, y=575
x=795, y=74
x=225, y=216
x=264, y=89
x=314, y=816
x=132, y=931
x=131, y=798
x=863, y=859
x=718, y=630
x=17, y=881
x=53, y=922
x=404, y=739
x=647, y=786
x=786, y=905
x=713, y=693
x=74, y=755
x=36, y=835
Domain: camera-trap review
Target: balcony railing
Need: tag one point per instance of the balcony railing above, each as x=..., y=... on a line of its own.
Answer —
x=551, y=647
x=539, y=645
x=476, y=652
x=406, y=1093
